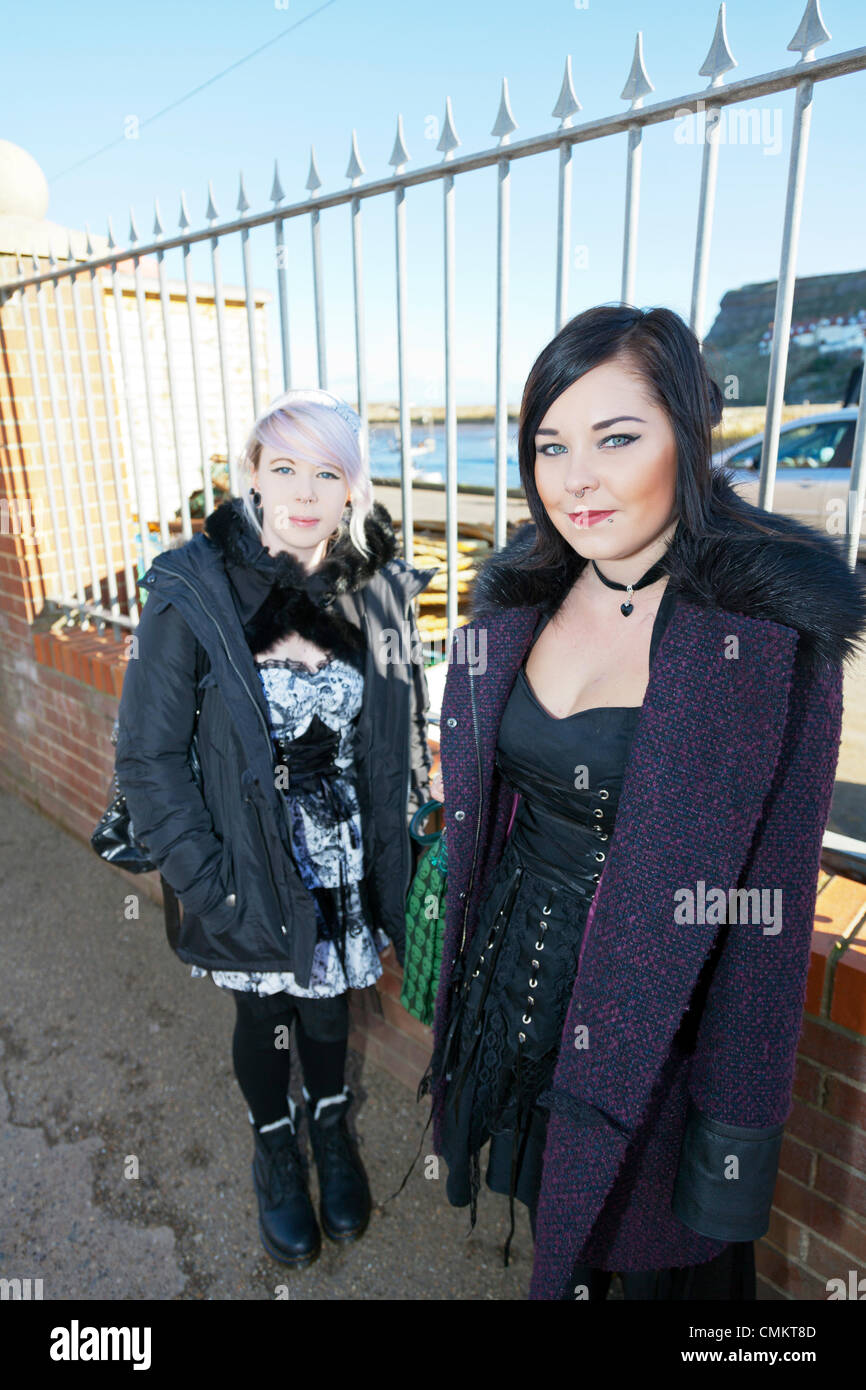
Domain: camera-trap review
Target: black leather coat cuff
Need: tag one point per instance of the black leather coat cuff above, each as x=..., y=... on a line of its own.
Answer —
x=735, y=1208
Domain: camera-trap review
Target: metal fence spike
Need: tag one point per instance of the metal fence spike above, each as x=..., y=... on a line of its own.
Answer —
x=355, y=168
x=449, y=139
x=567, y=103
x=720, y=59
x=277, y=190
x=111, y=242
x=399, y=154
x=811, y=33
x=158, y=229
x=505, y=122
x=183, y=220
x=243, y=202
x=88, y=244
x=638, y=83
x=211, y=210
x=313, y=179
x=133, y=230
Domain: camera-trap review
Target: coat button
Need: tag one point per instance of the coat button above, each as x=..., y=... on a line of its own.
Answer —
x=231, y=900
x=462, y=895
x=459, y=815
x=452, y=723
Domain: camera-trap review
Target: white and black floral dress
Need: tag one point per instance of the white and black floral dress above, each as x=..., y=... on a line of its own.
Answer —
x=313, y=716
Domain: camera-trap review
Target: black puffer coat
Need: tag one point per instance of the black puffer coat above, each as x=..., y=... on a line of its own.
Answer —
x=225, y=850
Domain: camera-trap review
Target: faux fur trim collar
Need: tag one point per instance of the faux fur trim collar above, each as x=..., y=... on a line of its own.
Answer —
x=291, y=599
x=806, y=587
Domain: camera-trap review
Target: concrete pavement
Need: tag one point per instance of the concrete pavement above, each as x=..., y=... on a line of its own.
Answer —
x=111, y=1055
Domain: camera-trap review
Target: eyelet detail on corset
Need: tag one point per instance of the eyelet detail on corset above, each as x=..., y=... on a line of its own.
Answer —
x=600, y=855
x=521, y=1037
x=530, y=1001
x=598, y=812
x=604, y=793
x=533, y=983
x=459, y=815
x=595, y=877
x=535, y=965
x=452, y=723
x=547, y=911
x=539, y=945
x=527, y=1018
x=603, y=837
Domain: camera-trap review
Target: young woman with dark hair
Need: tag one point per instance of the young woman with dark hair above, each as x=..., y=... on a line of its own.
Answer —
x=644, y=757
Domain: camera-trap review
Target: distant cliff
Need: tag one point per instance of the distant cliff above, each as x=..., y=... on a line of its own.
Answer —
x=828, y=333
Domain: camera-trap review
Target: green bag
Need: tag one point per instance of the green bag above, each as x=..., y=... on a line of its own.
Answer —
x=425, y=921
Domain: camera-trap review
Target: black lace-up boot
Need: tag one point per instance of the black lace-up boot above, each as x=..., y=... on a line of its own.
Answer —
x=287, y=1221
x=344, y=1194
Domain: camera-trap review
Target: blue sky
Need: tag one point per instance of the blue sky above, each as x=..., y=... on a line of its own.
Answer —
x=73, y=80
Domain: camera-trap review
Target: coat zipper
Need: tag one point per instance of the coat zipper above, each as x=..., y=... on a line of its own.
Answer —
x=478, y=821
x=252, y=802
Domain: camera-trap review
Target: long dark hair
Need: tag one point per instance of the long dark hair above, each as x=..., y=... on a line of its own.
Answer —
x=663, y=350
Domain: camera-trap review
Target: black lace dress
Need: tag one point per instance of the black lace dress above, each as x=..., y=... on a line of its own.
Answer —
x=518, y=975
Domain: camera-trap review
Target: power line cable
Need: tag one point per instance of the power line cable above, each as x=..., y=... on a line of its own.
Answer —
x=121, y=139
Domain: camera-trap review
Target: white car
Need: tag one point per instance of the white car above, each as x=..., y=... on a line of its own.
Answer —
x=813, y=472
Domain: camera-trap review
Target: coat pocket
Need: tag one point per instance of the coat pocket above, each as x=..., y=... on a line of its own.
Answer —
x=226, y=914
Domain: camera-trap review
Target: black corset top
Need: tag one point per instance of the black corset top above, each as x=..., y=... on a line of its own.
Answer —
x=569, y=773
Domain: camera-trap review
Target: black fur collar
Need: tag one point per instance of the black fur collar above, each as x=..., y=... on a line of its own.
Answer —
x=806, y=587
x=278, y=594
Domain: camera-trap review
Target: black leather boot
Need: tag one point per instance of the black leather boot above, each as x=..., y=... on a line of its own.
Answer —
x=344, y=1193
x=287, y=1222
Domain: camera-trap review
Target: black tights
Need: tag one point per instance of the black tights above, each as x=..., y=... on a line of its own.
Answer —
x=261, y=1055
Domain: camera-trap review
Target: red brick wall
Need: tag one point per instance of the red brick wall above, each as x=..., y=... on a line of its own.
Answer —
x=818, y=1223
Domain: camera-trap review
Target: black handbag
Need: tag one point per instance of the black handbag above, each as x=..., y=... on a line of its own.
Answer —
x=114, y=837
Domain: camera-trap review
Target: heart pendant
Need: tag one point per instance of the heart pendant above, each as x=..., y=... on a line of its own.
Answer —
x=626, y=608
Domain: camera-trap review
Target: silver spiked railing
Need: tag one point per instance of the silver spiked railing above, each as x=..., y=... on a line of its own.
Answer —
x=155, y=458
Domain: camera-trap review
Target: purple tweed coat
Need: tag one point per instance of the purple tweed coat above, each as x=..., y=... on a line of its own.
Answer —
x=729, y=782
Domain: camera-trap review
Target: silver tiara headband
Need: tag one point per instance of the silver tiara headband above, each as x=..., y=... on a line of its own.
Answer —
x=314, y=396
